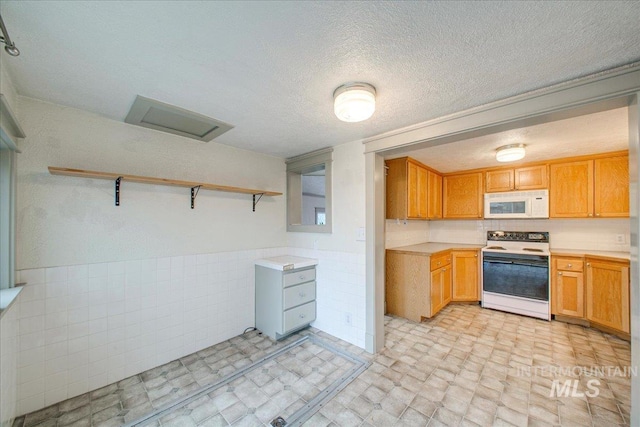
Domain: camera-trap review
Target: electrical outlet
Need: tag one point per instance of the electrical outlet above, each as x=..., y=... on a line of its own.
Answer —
x=347, y=318
x=621, y=239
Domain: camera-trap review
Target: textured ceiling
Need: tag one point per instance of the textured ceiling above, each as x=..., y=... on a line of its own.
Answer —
x=588, y=134
x=270, y=68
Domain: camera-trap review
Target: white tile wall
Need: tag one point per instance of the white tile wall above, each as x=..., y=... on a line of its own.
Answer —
x=405, y=232
x=8, y=362
x=85, y=326
x=581, y=234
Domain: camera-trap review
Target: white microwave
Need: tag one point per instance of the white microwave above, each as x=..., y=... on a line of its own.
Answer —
x=517, y=204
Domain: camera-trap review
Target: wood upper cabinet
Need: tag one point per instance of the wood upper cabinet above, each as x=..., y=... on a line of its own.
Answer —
x=590, y=188
x=518, y=179
x=567, y=287
x=465, y=269
x=611, y=191
x=434, y=195
x=607, y=289
x=500, y=180
x=413, y=191
x=571, y=189
x=463, y=195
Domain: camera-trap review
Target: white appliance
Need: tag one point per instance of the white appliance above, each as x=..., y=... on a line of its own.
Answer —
x=515, y=273
x=517, y=204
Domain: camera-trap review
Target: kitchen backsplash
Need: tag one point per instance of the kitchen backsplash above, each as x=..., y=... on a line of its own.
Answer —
x=405, y=232
x=593, y=234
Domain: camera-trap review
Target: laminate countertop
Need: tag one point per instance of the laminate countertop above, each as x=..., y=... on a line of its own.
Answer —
x=432, y=248
x=582, y=252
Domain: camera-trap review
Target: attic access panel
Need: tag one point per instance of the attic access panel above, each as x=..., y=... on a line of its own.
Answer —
x=168, y=118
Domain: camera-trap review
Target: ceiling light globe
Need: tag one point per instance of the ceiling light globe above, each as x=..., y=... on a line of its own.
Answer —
x=354, y=102
x=510, y=153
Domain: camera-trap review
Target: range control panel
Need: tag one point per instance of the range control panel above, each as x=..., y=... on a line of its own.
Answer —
x=519, y=236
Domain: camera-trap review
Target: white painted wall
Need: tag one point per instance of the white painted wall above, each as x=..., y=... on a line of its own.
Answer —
x=68, y=221
x=593, y=234
x=341, y=271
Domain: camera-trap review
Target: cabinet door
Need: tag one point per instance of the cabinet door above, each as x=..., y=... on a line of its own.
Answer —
x=437, y=289
x=412, y=190
x=500, y=180
x=568, y=293
x=611, y=192
x=530, y=178
x=571, y=190
x=434, y=195
x=446, y=286
x=422, y=192
x=396, y=188
x=465, y=275
x=462, y=195
x=608, y=294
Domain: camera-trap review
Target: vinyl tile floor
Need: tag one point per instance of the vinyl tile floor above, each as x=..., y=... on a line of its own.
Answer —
x=467, y=366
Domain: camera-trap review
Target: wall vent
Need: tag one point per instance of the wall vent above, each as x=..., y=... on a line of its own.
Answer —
x=168, y=118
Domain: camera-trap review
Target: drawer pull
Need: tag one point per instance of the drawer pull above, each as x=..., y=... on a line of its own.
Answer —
x=301, y=277
x=302, y=295
x=569, y=265
x=559, y=273
x=302, y=316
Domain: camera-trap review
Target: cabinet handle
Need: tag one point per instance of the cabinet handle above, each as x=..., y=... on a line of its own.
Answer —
x=559, y=273
x=302, y=316
x=590, y=214
x=302, y=295
x=568, y=265
x=597, y=214
x=588, y=264
x=476, y=255
x=301, y=277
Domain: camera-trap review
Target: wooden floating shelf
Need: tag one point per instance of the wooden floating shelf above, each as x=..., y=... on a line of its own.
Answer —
x=195, y=186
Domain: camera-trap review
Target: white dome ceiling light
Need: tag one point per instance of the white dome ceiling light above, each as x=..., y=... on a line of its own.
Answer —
x=510, y=153
x=354, y=102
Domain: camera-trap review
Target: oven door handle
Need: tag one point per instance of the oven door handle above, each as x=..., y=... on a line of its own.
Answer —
x=492, y=261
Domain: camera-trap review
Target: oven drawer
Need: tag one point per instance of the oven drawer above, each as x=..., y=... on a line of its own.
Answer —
x=440, y=260
x=569, y=264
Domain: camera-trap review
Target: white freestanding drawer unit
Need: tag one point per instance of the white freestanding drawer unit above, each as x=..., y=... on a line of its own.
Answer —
x=285, y=294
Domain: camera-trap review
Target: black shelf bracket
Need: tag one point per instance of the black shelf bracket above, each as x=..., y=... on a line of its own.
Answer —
x=194, y=192
x=255, y=201
x=118, y=180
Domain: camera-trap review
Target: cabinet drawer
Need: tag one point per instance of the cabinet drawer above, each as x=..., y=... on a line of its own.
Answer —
x=300, y=294
x=301, y=276
x=569, y=264
x=299, y=316
x=440, y=261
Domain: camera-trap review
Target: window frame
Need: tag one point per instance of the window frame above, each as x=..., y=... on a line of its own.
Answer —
x=8, y=151
x=296, y=166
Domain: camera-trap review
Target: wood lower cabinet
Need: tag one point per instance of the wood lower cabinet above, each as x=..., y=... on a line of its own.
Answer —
x=465, y=269
x=441, y=284
x=567, y=287
x=592, y=290
x=607, y=293
x=462, y=196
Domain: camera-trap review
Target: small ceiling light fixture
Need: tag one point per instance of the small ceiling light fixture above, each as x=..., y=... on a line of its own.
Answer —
x=10, y=46
x=354, y=102
x=510, y=153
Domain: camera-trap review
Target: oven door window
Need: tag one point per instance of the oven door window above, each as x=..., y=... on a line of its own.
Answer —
x=516, y=275
x=502, y=208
